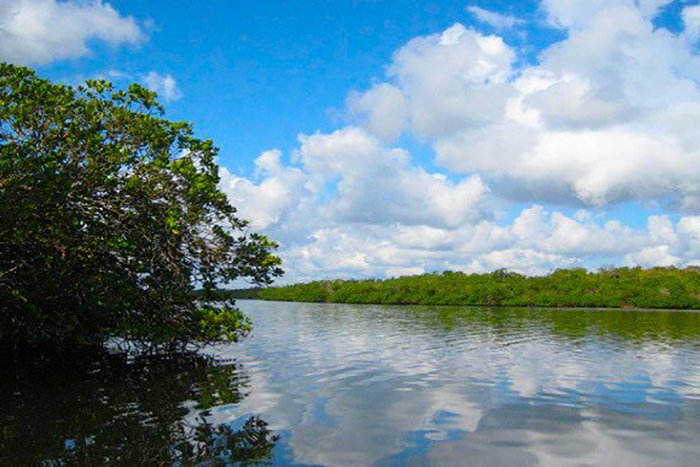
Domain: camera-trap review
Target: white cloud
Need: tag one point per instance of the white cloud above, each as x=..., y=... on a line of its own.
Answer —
x=383, y=109
x=688, y=231
x=652, y=256
x=35, y=32
x=496, y=20
x=668, y=244
x=554, y=232
x=451, y=81
x=405, y=271
x=589, y=124
x=606, y=115
x=572, y=14
x=524, y=261
x=322, y=237
x=691, y=20
x=378, y=185
x=164, y=85
x=266, y=203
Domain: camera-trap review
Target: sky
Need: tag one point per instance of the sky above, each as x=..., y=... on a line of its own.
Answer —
x=378, y=138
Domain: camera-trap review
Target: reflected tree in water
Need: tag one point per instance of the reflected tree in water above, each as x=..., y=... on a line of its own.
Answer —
x=126, y=410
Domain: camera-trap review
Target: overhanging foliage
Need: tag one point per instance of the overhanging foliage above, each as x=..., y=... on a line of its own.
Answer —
x=109, y=216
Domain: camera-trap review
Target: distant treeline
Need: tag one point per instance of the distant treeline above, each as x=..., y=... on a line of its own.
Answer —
x=607, y=288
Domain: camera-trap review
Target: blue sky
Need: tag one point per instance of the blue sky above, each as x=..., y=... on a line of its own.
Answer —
x=376, y=138
x=255, y=74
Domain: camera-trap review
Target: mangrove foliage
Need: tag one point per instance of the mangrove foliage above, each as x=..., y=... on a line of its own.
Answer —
x=607, y=288
x=110, y=216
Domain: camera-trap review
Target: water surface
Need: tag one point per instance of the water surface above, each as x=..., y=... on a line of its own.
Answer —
x=378, y=385
x=325, y=384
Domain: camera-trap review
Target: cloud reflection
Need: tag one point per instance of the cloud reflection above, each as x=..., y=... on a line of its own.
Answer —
x=363, y=385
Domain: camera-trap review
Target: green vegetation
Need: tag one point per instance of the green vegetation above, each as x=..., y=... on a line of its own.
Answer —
x=232, y=294
x=570, y=326
x=609, y=288
x=109, y=216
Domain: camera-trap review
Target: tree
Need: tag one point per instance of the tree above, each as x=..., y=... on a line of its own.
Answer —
x=110, y=216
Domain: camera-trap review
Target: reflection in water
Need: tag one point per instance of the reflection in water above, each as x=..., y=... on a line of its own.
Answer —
x=117, y=409
x=368, y=385
x=363, y=385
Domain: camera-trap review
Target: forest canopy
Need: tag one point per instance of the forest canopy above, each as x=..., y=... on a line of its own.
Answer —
x=110, y=217
x=608, y=288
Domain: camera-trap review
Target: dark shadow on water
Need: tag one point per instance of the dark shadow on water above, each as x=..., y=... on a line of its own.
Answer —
x=114, y=408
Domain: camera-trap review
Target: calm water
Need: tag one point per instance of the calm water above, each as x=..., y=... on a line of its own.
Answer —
x=371, y=385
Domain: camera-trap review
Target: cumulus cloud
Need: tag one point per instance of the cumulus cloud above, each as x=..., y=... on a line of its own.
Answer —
x=588, y=124
x=691, y=21
x=652, y=256
x=383, y=109
x=348, y=178
x=404, y=271
x=365, y=172
x=580, y=236
x=571, y=14
x=322, y=239
x=453, y=80
x=524, y=261
x=165, y=85
x=35, y=32
x=264, y=204
x=604, y=116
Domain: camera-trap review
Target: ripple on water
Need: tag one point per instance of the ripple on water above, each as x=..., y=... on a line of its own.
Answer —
x=394, y=385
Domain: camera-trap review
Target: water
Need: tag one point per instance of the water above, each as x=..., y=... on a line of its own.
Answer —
x=376, y=385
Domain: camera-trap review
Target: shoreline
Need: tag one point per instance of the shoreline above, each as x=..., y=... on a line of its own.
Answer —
x=529, y=307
